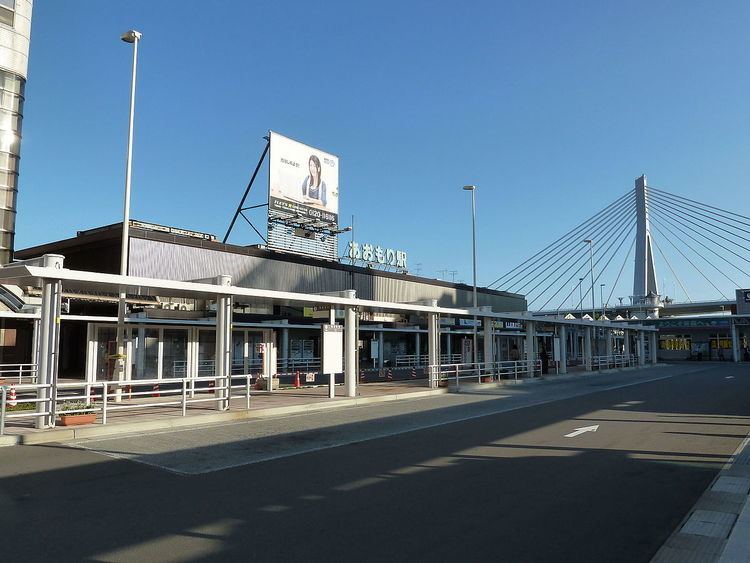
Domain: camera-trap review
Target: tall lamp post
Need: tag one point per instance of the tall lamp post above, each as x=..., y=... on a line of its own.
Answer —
x=133, y=37
x=472, y=189
x=601, y=297
x=591, y=257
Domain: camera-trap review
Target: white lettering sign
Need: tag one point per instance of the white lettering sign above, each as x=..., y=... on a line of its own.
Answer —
x=377, y=255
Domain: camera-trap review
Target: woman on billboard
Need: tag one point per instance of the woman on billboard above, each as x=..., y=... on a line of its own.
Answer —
x=314, y=188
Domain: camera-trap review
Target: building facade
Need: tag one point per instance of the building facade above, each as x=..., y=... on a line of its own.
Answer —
x=176, y=337
x=15, y=33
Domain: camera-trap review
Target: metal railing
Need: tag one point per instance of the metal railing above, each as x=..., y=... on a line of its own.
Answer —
x=240, y=366
x=97, y=397
x=409, y=360
x=18, y=372
x=512, y=369
x=291, y=365
x=613, y=361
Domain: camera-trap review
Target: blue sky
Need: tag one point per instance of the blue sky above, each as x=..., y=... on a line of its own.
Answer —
x=551, y=108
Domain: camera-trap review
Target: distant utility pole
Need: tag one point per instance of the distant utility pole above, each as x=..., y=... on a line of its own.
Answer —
x=443, y=273
x=453, y=275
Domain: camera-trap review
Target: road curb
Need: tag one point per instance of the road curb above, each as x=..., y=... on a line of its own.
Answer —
x=99, y=430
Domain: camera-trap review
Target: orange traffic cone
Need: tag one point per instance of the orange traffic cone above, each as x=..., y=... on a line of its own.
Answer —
x=389, y=377
x=296, y=380
x=156, y=391
x=12, y=402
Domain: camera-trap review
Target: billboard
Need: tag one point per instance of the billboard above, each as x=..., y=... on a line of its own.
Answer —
x=302, y=181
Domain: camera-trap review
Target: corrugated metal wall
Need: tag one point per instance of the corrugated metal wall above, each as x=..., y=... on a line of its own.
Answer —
x=156, y=259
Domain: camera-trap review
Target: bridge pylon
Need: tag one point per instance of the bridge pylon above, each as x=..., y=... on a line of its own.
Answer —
x=645, y=288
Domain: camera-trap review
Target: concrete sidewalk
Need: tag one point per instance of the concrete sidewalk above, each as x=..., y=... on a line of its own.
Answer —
x=717, y=529
x=262, y=404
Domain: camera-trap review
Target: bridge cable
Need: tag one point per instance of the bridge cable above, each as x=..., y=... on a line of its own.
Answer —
x=601, y=256
x=692, y=213
x=615, y=227
x=691, y=263
x=677, y=226
x=698, y=253
x=656, y=244
x=681, y=216
x=573, y=248
x=624, y=262
x=678, y=217
x=569, y=246
x=577, y=249
x=601, y=273
x=570, y=234
x=747, y=219
x=574, y=233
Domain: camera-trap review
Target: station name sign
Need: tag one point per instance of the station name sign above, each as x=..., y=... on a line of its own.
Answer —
x=376, y=255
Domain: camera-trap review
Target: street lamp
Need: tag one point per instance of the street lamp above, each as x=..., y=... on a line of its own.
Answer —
x=591, y=257
x=133, y=37
x=601, y=297
x=472, y=189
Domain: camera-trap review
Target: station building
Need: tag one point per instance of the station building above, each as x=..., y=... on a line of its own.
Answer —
x=176, y=337
x=721, y=332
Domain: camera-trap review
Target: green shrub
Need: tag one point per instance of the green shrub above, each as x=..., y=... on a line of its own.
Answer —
x=68, y=406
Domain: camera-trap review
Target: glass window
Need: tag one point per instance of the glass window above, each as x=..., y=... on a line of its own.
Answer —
x=238, y=352
x=10, y=4
x=174, y=362
x=720, y=342
x=8, y=161
x=10, y=101
x=7, y=219
x=674, y=342
x=206, y=352
x=255, y=358
x=8, y=180
x=146, y=354
x=7, y=198
x=11, y=82
x=6, y=16
x=9, y=121
x=10, y=142
x=106, y=346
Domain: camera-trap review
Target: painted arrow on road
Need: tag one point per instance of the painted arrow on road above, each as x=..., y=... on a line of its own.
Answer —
x=582, y=430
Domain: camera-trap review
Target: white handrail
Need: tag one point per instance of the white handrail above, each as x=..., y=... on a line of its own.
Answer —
x=19, y=370
x=96, y=396
x=496, y=370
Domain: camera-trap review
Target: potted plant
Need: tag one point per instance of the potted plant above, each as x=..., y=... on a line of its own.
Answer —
x=74, y=413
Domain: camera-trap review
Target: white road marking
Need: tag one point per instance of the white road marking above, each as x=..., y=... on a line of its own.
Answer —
x=581, y=430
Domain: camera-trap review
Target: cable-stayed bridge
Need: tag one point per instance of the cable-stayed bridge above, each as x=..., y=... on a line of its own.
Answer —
x=581, y=271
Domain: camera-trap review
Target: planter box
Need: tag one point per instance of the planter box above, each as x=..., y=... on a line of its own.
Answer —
x=77, y=419
x=262, y=383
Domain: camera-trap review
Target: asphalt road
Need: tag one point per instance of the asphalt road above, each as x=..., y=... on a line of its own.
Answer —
x=476, y=477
